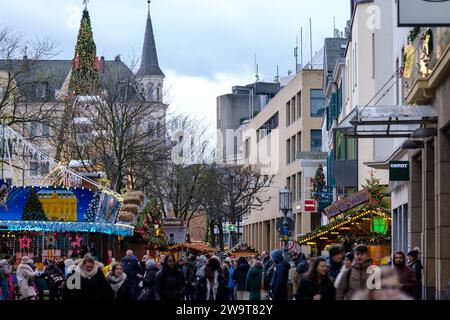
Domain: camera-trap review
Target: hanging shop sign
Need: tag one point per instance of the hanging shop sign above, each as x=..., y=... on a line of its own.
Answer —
x=348, y=203
x=399, y=171
x=310, y=206
x=427, y=13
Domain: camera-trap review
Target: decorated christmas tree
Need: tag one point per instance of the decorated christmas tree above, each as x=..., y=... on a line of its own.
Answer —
x=91, y=212
x=376, y=191
x=84, y=78
x=33, y=210
x=149, y=224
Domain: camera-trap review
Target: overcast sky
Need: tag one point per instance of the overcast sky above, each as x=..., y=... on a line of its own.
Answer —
x=204, y=46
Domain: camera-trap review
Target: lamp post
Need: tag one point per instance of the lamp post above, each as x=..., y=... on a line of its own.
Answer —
x=285, y=198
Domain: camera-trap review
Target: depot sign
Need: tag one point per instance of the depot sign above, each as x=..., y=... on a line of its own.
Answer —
x=310, y=206
x=423, y=13
x=399, y=171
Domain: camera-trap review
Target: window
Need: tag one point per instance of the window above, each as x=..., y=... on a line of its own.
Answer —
x=267, y=127
x=346, y=147
x=299, y=186
x=34, y=168
x=317, y=103
x=41, y=90
x=299, y=105
x=293, y=116
x=33, y=129
x=316, y=140
x=340, y=145
x=352, y=150
x=46, y=129
x=288, y=151
x=294, y=188
x=288, y=113
x=122, y=91
x=293, y=145
x=299, y=142
x=355, y=66
x=288, y=182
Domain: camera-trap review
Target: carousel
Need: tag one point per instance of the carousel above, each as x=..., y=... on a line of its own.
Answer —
x=63, y=216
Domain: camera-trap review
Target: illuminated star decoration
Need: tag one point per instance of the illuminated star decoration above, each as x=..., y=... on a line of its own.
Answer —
x=76, y=242
x=24, y=242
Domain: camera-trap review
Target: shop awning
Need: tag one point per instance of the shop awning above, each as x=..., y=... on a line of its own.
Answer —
x=387, y=121
x=326, y=230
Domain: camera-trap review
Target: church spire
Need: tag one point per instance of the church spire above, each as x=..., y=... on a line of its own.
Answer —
x=149, y=60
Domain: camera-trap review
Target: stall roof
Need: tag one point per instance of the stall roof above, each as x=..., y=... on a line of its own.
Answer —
x=242, y=249
x=198, y=246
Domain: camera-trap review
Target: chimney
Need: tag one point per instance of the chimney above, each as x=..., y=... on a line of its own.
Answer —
x=25, y=64
x=101, y=65
x=117, y=59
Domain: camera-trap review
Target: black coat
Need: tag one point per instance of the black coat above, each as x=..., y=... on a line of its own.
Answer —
x=123, y=294
x=95, y=288
x=308, y=289
x=240, y=276
x=278, y=284
x=169, y=285
x=202, y=289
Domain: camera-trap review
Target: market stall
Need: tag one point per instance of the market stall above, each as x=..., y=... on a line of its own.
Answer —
x=182, y=250
x=242, y=249
x=360, y=218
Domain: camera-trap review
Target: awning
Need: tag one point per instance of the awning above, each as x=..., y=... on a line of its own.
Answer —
x=387, y=121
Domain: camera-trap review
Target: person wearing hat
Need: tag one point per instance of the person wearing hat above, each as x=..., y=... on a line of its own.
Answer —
x=416, y=265
x=348, y=260
x=279, y=282
x=335, y=261
x=25, y=278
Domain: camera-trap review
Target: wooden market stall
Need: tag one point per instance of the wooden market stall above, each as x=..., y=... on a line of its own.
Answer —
x=182, y=250
x=354, y=220
x=242, y=249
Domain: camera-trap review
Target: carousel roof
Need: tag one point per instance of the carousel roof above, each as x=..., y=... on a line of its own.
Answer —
x=342, y=222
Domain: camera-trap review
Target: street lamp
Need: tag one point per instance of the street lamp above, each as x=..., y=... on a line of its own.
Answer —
x=285, y=198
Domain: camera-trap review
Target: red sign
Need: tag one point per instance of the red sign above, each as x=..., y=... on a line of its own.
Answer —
x=310, y=206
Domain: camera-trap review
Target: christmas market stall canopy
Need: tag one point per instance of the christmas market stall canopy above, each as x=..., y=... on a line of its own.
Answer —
x=242, y=249
x=60, y=209
x=199, y=247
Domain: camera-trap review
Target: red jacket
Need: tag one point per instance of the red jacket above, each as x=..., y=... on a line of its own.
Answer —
x=407, y=277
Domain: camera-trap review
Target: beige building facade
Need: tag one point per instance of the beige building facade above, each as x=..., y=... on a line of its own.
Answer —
x=284, y=140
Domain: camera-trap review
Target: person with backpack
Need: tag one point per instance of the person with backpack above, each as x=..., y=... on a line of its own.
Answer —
x=189, y=278
x=5, y=272
x=55, y=279
x=355, y=278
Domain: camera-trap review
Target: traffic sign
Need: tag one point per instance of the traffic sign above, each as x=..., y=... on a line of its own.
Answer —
x=290, y=225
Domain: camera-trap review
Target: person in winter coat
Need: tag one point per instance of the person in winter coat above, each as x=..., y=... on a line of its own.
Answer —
x=119, y=286
x=255, y=280
x=294, y=277
x=131, y=268
x=240, y=278
x=25, y=279
x=406, y=276
x=55, y=278
x=189, y=278
x=5, y=272
x=355, y=278
x=169, y=282
x=212, y=286
x=390, y=288
x=148, y=281
x=231, y=293
x=279, y=282
x=416, y=265
x=335, y=261
x=317, y=284
x=86, y=282
x=348, y=260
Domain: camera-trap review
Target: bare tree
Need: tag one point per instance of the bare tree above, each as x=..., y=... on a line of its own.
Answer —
x=118, y=130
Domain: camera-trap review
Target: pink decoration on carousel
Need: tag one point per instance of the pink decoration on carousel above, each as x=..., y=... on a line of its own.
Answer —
x=24, y=243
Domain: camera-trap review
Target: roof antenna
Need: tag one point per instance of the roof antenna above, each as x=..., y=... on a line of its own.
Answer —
x=256, y=70
x=310, y=42
x=148, y=3
x=296, y=55
x=277, y=78
x=85, y=2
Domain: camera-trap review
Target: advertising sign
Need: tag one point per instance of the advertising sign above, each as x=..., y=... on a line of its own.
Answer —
x=348, y=203
x=310, y=206
x=423, y=13
x=399, y=171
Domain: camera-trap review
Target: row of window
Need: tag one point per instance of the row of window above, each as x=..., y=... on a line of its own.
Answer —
x=294, y=183
x=293, y=146
x=294, y=106
x=267, y=127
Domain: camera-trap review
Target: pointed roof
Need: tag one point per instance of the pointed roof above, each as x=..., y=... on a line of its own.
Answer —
x=149, y=60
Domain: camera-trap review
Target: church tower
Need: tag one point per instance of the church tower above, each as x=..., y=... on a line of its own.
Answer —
x=150, y=75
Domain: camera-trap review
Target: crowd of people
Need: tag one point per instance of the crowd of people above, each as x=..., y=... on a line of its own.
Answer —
x=339, y=276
